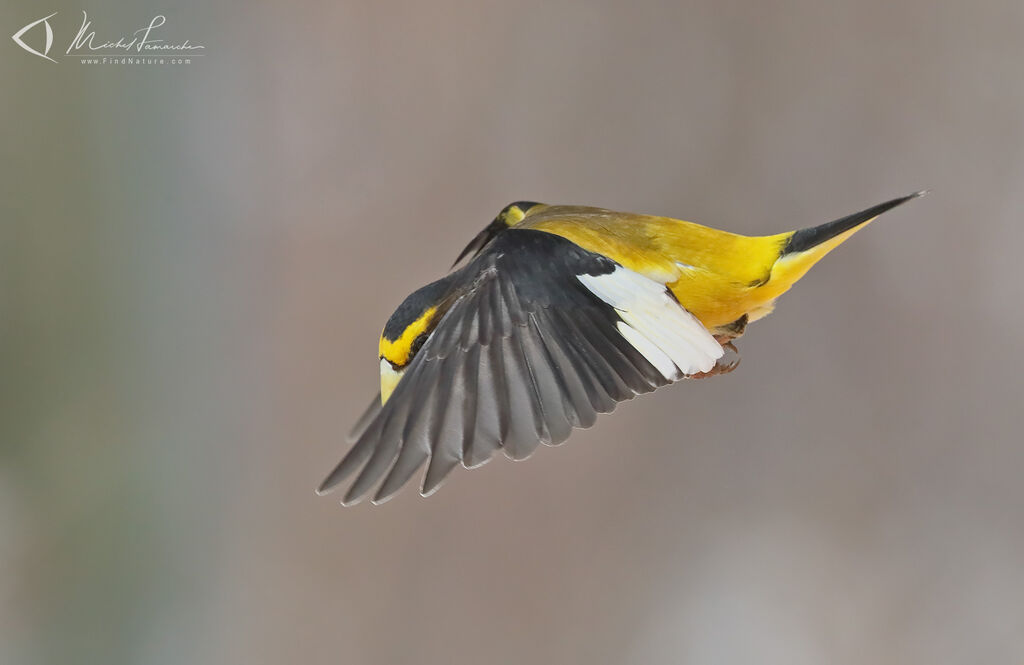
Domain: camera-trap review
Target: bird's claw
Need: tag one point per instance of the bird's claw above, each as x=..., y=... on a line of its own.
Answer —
x=727, y=363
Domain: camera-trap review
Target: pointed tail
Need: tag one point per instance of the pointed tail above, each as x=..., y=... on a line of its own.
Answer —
x=802, y=249
x=809, y=238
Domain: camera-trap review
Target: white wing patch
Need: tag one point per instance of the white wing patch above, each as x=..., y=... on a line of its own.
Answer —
x=671, y=338
x=653, y=354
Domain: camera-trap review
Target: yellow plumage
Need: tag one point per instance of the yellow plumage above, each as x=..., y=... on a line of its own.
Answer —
x=716, y=275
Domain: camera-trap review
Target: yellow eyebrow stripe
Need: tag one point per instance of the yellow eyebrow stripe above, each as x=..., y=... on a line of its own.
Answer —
x=397, y=351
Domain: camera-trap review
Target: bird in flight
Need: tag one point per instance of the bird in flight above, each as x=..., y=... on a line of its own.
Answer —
x=557, y=314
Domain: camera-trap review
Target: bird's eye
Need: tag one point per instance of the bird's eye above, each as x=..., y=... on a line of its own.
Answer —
x=417, y=343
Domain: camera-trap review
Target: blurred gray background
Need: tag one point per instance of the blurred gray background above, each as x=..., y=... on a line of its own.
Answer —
x=196, y=262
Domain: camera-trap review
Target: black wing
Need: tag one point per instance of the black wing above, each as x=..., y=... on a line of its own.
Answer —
x=482, y=239
x=499, y=225
x=525, y=354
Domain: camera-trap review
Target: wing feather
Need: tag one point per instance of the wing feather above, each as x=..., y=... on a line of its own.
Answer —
x=492, y=409
x=526, y=422
x=531, y=347
x=577, y=378
x=364, y=420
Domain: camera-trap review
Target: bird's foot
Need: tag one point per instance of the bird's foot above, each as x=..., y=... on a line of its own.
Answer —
x=729, y=361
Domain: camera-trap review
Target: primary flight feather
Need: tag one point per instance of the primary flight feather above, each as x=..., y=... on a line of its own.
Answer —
x=559, y=313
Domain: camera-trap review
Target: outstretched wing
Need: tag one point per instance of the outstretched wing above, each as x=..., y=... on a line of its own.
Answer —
x=542, y=337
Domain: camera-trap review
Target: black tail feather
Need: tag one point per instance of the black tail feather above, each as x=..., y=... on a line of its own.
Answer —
x=805, y=239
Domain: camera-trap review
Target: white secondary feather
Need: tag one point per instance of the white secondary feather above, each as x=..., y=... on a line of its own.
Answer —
x=671, y=338
x=650, y=351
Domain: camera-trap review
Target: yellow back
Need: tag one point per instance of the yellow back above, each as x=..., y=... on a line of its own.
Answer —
x=716, y=275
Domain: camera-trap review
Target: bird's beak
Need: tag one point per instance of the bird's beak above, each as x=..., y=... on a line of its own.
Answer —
x=389, y=378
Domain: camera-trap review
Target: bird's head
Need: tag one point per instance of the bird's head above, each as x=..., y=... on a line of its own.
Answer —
x=414, y=320
x=407, y=330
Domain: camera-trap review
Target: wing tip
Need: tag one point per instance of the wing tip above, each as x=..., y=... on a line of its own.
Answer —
x=329, y=484
x=381, y=499
x=351, y=498
x=354, y=497
x=343, y=470
x=426, y=492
